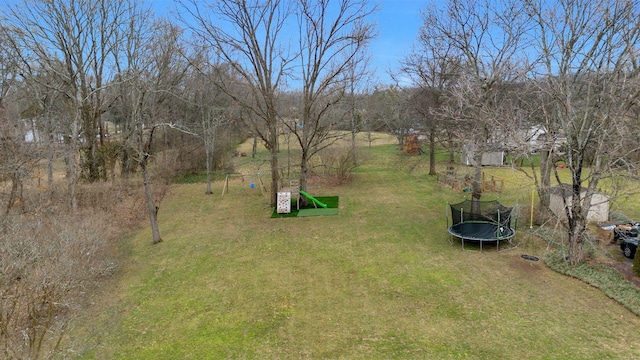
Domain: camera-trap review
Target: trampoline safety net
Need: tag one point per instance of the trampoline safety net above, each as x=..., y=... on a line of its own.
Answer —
x=486, y=211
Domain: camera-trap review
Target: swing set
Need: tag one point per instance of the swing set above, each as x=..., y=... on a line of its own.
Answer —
x=258, y=182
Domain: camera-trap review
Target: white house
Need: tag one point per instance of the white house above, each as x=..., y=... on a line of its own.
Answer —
x=535, y=138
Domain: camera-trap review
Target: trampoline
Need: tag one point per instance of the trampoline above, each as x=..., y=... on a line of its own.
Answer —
x=480, y=222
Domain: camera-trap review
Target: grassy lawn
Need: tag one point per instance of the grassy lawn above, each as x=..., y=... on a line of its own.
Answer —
x=378, y=281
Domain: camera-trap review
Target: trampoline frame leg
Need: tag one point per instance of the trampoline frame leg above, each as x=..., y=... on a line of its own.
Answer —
x=510, y=240
x=463, y=249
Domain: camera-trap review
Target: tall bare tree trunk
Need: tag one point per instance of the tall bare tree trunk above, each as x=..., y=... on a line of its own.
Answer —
x=304, y=174
x=354, y=159
x=152, y=208
x=16, y=185
x=546, y=165
x=73, y=164
x=208, y=156
x=254, y=146
x=432, y=151
x=144, y=154
x=51, y=157
x=476, y=177
x=576, y=241
x=273, y=151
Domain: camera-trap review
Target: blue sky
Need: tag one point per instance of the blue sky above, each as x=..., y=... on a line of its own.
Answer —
x=398, y=22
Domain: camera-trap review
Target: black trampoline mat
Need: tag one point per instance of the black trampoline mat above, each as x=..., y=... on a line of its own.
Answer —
x=481, y=231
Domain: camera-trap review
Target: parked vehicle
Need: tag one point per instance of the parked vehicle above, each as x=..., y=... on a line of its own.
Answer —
x=629, y=246
x=628, y=236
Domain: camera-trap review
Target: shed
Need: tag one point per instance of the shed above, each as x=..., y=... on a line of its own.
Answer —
x=598, y=211
x=492, y=156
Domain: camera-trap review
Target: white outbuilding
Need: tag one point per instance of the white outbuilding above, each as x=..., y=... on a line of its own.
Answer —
x=598, y=211
x=493, y=155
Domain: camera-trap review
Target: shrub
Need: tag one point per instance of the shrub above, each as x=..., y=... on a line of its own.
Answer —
x=337, y=162
x=51, y=258
x=49, y=263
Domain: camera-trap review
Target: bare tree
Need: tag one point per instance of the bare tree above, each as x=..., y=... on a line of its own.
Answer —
x=487, y=39
x=211, y=107
x=359, y=81
x=432, y=68
x=213, y=118
x=249, y=36
x=536, y=136
x=19, y=156
x=153, y=69
x=333, y=37
x=45, y=110
x=389, y=107
x=76, y=43
x=144, y=140
x=9, y=65
x=589, y=72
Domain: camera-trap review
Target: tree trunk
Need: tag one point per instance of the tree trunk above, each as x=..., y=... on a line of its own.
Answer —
x=304, y=174
x=353, y=145
x=450, y=147
x=273, y=150
x=51, y=158
x=476, y=177
x=576, y=215
x=254, y=148
x=73, y=164
x=91, y=153
x=208, y=156
x=209, y=149
x=546, y=165
x=545, y=178
x=577, y=229
x=13, y=195
x=432, y=151
x=151, y=206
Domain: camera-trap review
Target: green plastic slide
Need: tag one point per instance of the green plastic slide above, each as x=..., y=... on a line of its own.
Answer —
x=316, y=201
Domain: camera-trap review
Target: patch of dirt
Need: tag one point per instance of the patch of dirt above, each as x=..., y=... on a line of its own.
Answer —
x=525, y=265
x=626, y=270
x=620, y=263
x=532, y=271
x=327, y=181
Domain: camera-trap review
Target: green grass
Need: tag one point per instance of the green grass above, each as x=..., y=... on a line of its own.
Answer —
x=194, y=178
x=378, y=281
